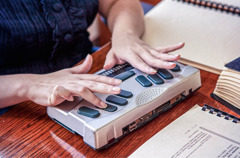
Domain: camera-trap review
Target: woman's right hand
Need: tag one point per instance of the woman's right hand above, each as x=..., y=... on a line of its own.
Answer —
x=53, y=88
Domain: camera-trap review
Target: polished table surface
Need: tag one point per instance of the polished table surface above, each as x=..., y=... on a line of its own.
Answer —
x=27, y=131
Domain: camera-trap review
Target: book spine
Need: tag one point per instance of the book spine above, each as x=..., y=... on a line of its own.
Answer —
x=213, y=5
x=225, y=103
x=220, y=113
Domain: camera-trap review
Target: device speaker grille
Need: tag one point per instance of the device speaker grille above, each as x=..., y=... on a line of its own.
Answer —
x=148, y=95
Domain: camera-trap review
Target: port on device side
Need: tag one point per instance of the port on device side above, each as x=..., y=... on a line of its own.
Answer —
x=154, y=113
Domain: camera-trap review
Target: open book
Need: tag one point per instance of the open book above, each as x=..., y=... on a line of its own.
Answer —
x=201, y=132
x=210, y=30
x=227, y=90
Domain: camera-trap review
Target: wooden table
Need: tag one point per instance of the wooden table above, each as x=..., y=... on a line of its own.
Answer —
x=27, y=131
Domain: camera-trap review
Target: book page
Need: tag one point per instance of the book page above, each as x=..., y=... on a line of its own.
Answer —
x=197, y=133
x=211, y=36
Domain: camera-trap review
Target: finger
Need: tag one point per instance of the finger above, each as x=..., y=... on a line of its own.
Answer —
x=99, y=78
x=94, y=87
x=170, y=48
x=101, y=87
x=155, y=62
x=165, y=57
x=138, y=63
x=110, y=61
x=86, y=94
x=59, y=94
x=84, y=67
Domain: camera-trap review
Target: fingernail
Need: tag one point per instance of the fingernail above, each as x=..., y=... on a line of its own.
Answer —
x=152, y=70
x=71, y=98
x=103, y=105
x=86, y=58
x=175, y=55
x=116, y=89
x=105, y=64
x=180, y=43
x=117, y=81
x=171, y=64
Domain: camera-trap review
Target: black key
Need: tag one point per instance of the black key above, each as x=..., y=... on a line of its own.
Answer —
x=110, y=75
x=227, y=117
x=118, y=72
x=86, y=111
x=219, y=114
x=125, y=75
x=129, y=67
x=165, y=74
x=204, y=108
x=176, y=68
x=109, y=108
x=156, y=79
x=143, y=81
x=116, y=100
x=211, y=111
x=125, y=94
x=235, y=120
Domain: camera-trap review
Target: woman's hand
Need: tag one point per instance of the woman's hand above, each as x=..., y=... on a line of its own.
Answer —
x=130, y=48
x=52, y=89
x=126, y=22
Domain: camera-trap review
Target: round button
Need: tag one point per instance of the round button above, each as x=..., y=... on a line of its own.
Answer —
x=68, y=38
x=57, y=7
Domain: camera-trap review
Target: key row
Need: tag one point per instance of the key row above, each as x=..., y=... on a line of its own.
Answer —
x=156, y=78
x=89, y=112
x=162, y=72
x=124, y=95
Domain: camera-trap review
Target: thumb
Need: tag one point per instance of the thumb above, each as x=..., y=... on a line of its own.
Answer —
x=110, y=61
x=84, y=67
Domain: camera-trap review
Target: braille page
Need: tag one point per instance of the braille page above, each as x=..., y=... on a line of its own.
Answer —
x=211, y=36
x=197, y=134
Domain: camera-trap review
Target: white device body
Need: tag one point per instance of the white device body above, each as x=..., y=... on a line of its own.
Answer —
x=145, y=104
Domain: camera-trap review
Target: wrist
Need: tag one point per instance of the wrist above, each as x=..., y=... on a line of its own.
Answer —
x=122, y=37
x=23, y=86
x=125, y=34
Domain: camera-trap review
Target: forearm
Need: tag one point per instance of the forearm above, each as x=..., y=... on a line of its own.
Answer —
x=126, y=17
x=13, y=89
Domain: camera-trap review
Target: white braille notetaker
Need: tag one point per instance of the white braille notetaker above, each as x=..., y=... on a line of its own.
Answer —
x=142, y=98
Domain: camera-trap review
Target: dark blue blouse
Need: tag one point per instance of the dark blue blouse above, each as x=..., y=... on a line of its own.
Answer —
x=41, y=36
